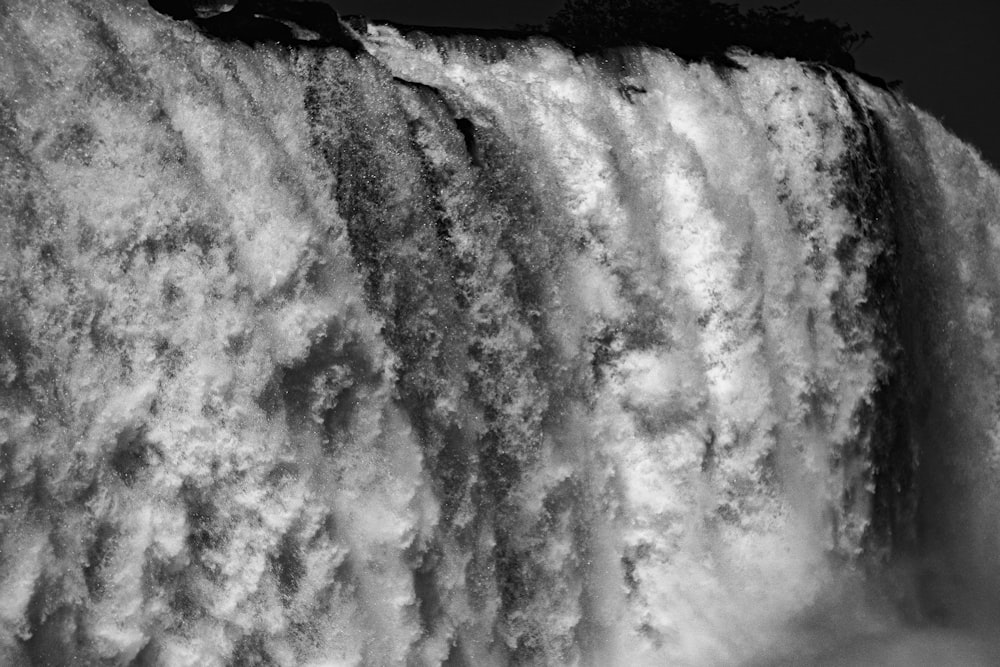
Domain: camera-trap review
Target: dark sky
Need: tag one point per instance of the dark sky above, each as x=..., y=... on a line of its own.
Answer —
x=944, y=51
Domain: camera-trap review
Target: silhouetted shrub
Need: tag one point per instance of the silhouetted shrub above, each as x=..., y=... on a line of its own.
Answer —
x=703, y=29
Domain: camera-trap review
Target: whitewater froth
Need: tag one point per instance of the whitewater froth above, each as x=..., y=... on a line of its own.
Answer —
x=469, y=351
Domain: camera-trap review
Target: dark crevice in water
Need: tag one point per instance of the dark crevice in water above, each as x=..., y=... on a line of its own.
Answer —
x=426, y=589
x=206, y=528
x=15, y=349
x=430, y=90
x=132, y=453
x=468, y=131
x=149, y=656
x=631, y=92
x=251, y=651
x=288, y=566
x=867, y=193
x=94, y=570
x=55, y=637
x=456, y=656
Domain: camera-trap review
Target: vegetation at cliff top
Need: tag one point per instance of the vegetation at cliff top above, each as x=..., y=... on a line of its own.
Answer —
x=704, y=29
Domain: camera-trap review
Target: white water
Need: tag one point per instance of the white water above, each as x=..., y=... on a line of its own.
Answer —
x=482, y=353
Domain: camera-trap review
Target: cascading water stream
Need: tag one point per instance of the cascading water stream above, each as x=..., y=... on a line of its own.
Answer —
x=455, y=350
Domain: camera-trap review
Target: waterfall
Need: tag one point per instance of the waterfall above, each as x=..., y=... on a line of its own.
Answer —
x=475, y=351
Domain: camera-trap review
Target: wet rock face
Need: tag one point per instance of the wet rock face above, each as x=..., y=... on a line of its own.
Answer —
x=449, y=349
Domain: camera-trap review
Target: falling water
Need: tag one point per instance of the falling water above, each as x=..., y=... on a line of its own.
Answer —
x=474, y=351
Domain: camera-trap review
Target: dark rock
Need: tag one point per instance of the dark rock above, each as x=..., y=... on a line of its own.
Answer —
x=262, y=21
